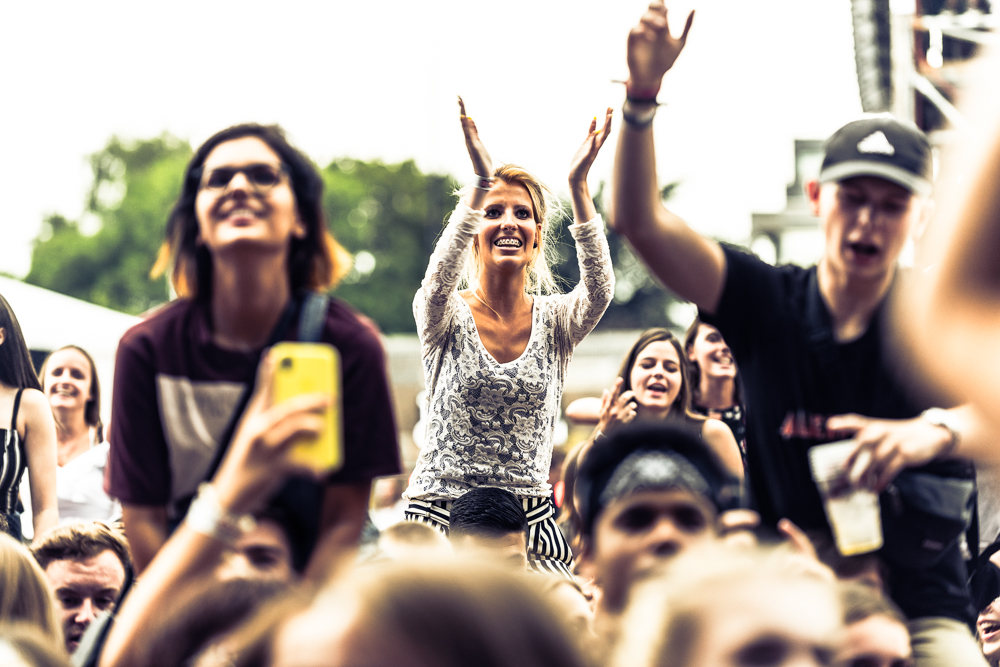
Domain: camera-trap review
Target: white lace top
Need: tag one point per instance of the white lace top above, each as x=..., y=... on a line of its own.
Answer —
x=491, y=424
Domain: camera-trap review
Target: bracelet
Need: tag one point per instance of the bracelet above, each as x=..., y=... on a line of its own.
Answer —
x=639, y=118
x=944, y=419
x=483, y=182
x=208, y=517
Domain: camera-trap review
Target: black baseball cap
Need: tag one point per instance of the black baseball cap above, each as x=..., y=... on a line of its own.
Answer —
x=651, y=455
x=880, y=146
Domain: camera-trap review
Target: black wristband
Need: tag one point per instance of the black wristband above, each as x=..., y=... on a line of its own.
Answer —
x=637, y=118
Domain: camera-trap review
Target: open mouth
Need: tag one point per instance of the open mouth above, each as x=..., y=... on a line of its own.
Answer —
x=723, y=359
x=988, y=627
x=508, y=242
x=864, y=249
x=656, y=386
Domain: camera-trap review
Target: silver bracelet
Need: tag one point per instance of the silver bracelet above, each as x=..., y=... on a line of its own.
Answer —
x=638, y=117
x=483, y=182
x=208, y=517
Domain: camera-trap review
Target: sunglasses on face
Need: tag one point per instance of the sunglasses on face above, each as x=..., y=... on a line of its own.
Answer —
x=261, y=176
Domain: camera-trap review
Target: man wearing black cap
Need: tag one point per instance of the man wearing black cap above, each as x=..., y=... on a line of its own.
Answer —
x=809, y=341
x=645, y=494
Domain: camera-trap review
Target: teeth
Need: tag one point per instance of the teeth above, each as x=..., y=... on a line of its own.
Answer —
x=507, y=243
x=242, y=212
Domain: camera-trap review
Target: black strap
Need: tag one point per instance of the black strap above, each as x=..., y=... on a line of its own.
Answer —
x=17, y=403
x=312, y=316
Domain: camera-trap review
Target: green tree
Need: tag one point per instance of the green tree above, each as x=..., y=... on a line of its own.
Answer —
x=388, y=217
x=135, y=185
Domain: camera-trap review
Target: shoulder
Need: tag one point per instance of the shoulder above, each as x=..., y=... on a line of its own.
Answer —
x=713, y=429
x=34, y=408
x=346, y=329
x=167, y=320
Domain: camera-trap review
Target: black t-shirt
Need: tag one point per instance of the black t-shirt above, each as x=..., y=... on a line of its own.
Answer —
x=793, y=382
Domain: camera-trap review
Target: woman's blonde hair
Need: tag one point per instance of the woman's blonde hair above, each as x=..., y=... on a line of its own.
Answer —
x=24, y=591
x=546, y=210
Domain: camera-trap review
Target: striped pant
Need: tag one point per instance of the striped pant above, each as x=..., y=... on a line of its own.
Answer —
x=548, y=550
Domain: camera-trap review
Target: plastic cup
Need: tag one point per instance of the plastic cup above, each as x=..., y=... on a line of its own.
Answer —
x=853, y=512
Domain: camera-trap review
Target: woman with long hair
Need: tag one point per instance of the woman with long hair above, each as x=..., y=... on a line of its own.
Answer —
x=715, y=380
x=248, y=244
x=25, y=596
x=495, y=354
x=70, y=383
x=652, y=384
x=29, y=442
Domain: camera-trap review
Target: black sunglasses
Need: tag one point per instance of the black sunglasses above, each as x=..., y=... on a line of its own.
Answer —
x=261, y=176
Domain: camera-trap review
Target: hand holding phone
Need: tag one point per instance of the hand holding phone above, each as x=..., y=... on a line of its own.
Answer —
x=312, y=368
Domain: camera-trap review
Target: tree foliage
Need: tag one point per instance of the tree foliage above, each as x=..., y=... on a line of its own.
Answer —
x=135, y=185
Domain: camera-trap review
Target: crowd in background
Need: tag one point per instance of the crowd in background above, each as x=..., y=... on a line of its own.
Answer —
x=696, y=525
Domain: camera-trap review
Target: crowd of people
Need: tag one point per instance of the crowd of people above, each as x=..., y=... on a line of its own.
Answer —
x=691, y=528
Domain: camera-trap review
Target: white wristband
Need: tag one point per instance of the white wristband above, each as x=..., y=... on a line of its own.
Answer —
x=207, y=516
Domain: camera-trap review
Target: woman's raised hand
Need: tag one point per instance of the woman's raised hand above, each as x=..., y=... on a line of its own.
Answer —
x=617, y=407
x=482, y=165
x=587, y=153
x=652, y=50
x=258, y=460
x=583, y=205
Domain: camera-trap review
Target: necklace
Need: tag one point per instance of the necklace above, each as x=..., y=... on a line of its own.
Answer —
x=482, y=301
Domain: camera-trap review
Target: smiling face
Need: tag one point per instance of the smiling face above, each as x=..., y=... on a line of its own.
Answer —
x=241, y=213
x=68, y=380
x=988, y=630
x=710, y=352
x=508, y=241
x=866, y=221
x=656, y=378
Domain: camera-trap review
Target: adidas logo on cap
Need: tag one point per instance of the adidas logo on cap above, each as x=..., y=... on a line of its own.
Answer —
x=876, y=142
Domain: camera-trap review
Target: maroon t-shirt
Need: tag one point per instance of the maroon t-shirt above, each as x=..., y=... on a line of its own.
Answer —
x=176, y=390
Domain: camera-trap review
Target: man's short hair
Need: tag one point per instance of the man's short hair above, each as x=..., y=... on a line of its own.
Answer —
x=860, y=602
x=647, y=456
x=76, y=541
x=487, y=512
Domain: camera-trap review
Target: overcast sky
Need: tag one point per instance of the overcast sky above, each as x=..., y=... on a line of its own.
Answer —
x=378, y=80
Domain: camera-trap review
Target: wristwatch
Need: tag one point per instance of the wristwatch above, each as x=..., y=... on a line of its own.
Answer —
x=946, y=420
x=639, y=113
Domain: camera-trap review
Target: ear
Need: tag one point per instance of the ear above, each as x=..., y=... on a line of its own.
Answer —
x=3, y=334
x=928, y=206
x=812, y=189
x=299, y=228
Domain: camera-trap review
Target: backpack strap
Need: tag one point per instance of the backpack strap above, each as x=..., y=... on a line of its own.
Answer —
x=312, y=317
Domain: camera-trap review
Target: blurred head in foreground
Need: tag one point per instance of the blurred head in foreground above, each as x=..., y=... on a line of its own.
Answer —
x=489, y=524
x=721, y=607
x=23, y=645
x=645, y=494
x=407, y=541
x=427, y=616
x=875, y=633
x=24, y=593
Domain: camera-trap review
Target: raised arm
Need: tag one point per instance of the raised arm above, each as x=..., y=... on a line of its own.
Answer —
x=434, y=303
x=40, y=444
x=952, y=311
x=255, y=466
x=686, y=262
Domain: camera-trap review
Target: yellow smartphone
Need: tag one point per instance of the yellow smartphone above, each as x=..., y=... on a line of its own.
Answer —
x=312, y=368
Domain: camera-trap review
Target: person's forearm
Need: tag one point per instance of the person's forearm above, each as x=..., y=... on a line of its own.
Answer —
x=44, y=521
x=185, y=559
x=583, y=204
x=635, y=196
x=345, y=509
x=146, y=528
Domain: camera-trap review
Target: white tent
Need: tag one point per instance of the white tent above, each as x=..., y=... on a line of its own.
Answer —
x=50, y=320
